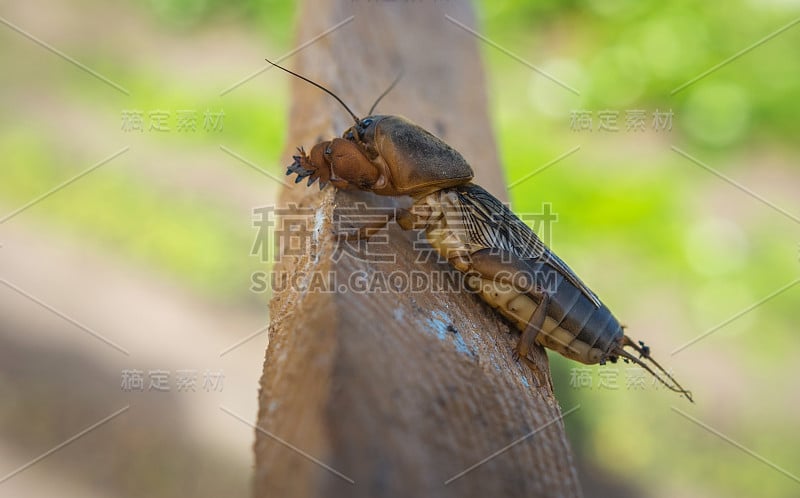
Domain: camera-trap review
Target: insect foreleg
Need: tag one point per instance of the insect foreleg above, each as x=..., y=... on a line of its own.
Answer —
x=311, y=166
x=341, y=162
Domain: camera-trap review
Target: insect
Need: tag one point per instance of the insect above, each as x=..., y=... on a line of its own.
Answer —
x=503, y=259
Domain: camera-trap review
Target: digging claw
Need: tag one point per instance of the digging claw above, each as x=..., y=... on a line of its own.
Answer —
x=304, y=168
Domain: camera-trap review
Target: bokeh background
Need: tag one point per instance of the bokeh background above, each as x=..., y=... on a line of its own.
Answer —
x=152, y=250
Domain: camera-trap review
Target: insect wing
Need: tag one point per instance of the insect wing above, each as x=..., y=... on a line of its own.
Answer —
x=491, y=224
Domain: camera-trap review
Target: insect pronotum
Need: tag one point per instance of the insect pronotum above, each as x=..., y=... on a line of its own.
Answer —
x=504, y=261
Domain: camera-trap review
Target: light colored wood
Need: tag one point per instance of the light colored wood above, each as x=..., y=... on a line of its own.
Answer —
x=398, y=392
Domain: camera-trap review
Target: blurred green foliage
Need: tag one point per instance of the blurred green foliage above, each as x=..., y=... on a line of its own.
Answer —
x=274, y=17
x=623, y=52
x=636, y=220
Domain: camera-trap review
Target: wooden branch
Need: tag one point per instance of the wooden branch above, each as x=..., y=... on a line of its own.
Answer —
x=398, y=392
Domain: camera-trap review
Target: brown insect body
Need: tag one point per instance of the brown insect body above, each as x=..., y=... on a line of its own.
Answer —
x=387, y=155
x=503, y=259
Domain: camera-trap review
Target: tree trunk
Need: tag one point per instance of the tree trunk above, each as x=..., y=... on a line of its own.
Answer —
x=393, y=393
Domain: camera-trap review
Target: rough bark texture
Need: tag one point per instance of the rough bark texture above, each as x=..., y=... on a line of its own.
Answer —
x=398, y=392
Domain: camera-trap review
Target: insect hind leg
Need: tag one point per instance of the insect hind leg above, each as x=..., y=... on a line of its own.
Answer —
x=500, y=266
x=535, y=326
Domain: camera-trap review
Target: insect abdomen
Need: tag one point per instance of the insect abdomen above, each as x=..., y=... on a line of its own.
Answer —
x=574, y=327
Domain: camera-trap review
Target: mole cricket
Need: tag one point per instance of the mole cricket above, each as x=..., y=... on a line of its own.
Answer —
x=503, y=260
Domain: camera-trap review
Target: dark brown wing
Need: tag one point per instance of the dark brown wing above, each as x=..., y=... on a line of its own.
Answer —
x=491, y=224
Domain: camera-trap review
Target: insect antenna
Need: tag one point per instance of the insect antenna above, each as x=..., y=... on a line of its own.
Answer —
x=645, y=353
x=358, y=121
x=385, y=92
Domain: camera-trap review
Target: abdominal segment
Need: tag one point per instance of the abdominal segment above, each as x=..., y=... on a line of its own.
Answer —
x=518, y=307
